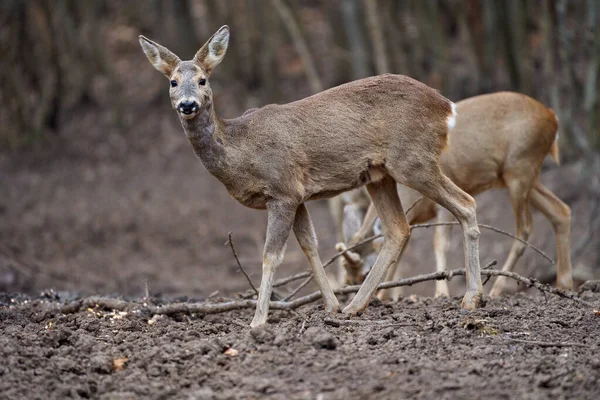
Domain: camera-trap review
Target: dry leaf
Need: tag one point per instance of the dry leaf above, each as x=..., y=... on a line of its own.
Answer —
x=231, y=352
x=119, y=364
x=597, y=312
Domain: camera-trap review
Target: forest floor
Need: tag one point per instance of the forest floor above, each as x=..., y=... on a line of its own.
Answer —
x=519, y=346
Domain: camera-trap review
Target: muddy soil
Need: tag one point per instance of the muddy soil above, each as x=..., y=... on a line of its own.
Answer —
x=415, y=348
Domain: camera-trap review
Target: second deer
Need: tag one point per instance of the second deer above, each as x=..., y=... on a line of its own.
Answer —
x=500, y=141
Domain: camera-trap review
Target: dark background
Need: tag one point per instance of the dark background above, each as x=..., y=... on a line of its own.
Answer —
x=100, y=191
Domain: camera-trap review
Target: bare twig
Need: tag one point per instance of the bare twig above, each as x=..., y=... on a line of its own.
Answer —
x=104, y=303
x=413, y=205
x=299, y=288
x=302, y=327
x=230, y=242
x=213, y=308
x=490, y=265
x=291, y=278
x=547, y=344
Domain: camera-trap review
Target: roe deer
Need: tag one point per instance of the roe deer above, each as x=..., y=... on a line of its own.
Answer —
x=375, y=131
x=500, y=140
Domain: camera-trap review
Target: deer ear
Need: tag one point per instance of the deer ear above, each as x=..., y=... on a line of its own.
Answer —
x=162, y=58
x=213, y=51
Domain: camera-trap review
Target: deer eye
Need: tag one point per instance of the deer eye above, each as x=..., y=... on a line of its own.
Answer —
x=202, y=81
x=173, y=83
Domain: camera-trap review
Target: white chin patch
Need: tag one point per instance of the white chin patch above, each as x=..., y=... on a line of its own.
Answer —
x=188, y=116
x=451, y=121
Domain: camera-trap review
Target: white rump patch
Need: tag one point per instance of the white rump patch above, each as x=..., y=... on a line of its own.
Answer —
x=452, y=118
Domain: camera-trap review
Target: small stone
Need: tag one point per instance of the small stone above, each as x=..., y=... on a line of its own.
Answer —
x=231, y=352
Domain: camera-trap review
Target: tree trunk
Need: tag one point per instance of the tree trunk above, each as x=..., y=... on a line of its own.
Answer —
x=356, y=42
x=382, y=64
x=294, y=31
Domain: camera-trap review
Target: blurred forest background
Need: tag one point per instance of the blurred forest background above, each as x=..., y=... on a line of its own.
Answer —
x=97, y=181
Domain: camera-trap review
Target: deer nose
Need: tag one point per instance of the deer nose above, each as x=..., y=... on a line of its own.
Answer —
x=188, y=107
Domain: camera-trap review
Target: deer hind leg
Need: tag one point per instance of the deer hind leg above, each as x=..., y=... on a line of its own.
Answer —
x=439, y=188
x=396, y=231
x=518, y=191
x=441, y=243
x=280, y=220
x=305, y=233
x=559, y=215
x=394, y=273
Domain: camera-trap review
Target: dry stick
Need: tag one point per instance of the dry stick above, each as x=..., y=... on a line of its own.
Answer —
x=230, y=241
x=309, y=275
x=204, y=308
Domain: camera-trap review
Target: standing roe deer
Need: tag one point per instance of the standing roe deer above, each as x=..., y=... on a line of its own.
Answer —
x=500, y=140
x=375, y=131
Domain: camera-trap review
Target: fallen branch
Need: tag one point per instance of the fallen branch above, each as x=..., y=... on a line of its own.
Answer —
x=104, y=303
x=230, y=242
x=213, y=308
x=547, y=344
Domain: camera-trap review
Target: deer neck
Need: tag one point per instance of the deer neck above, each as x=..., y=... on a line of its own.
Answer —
x=205, y=133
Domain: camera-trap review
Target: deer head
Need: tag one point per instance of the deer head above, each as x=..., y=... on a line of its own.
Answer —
x=190, y=90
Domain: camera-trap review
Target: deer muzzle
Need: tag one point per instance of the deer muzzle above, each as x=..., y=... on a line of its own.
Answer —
x=188, y=108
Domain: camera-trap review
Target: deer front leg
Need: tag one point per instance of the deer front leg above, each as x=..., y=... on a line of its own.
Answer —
x=280, y=220
x=305, y=233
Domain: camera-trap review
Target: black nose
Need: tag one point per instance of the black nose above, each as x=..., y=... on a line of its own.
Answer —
x=188, y=107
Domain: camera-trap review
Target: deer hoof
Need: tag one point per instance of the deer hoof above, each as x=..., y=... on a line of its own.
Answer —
x=472, y=300
x=333, y=307
x=349, y=310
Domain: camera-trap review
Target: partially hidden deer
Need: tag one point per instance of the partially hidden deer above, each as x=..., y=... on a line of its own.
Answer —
x=375, y=132
x=500, y=141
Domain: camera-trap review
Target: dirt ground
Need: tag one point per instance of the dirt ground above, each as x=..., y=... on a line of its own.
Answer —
x=416, y=348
